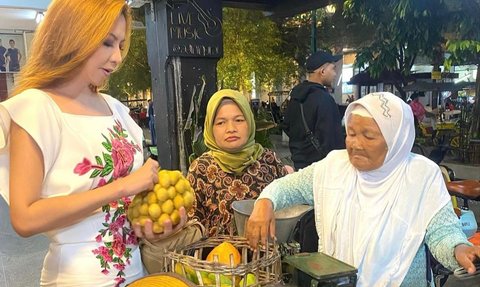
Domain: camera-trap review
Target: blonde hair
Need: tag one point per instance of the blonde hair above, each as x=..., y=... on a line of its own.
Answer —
x=69, y=34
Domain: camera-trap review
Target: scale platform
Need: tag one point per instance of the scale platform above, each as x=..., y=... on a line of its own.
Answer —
x=323, y=269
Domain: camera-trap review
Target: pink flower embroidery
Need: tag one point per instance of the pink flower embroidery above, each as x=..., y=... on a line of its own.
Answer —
x=102, y=182
x=118, y=281
x=118, y=246
x=114, y=204
x=83, y=167
x=119, y=266
x=122, y=156
x=116, y=162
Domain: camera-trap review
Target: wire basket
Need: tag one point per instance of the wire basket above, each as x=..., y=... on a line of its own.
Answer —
x=190, y=262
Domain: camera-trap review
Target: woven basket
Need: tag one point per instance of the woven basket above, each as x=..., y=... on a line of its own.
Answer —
x=264, y=264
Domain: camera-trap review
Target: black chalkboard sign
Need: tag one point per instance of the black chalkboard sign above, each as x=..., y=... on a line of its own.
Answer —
x=194, y=28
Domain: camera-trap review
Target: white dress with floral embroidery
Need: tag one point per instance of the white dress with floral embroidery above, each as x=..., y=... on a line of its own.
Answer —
x=80, y=153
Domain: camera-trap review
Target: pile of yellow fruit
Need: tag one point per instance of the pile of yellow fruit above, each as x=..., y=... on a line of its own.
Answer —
x=163, y=202
x=222, y=253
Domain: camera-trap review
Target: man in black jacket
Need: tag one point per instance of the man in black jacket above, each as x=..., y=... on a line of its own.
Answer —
x=323, y=121
x=320, y=110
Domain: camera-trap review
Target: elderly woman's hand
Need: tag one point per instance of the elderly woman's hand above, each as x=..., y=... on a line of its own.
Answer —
x=260, y=222
x=148, y=233
x=466, y=255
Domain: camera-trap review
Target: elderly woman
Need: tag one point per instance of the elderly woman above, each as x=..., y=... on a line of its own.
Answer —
x=235, y=167
x=376, y=204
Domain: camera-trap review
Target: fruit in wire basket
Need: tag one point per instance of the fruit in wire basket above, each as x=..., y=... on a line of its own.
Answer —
x=223, y=251
x=163, y=202
x=250, y=278
x=189, y=273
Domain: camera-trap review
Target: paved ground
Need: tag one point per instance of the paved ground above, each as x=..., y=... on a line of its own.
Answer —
x=21, y=258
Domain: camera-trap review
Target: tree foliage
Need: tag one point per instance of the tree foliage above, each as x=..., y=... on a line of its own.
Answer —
x=334, y=32
x=464, y=46
x=404, y=29
x=134, y=74
x=251, y=45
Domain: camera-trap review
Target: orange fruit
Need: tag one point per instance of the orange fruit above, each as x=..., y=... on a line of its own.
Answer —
x=223, y=251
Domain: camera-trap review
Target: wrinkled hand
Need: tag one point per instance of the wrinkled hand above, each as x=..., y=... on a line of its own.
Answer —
x=142, y=179
x=289, y=169
x=148, y=233
x=260, y=222
x=466, y=255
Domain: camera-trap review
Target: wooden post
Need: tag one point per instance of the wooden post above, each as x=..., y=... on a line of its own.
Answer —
x=184, y=40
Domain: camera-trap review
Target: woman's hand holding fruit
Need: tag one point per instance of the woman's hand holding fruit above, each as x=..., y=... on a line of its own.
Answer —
x=160, y=211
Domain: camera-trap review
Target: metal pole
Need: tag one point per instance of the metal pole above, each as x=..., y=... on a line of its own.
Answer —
x=313, y=37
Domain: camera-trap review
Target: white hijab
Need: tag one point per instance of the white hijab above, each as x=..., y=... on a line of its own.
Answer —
x=376, y=220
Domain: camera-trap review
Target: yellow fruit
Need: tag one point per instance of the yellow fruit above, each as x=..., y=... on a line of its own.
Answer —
x=179, y=269
x=224, y=280
x=188, y=200
x=223, y=252
x=151, y=198
x=142, y=220
x=162, y=202
x=250, y=278
x=178, y=201
x=154, y=211
x=162, y=218
x=172, y=192
x=182, y=185
x=175, y=217
x=144, y=209
x=175, y=175
x=130, y=213
x=137, y=200
x=206, y=279
x=167, y=206
x=156, y=187
x=136, y=211
x=157, y=228
x=135, y=221
x=161, y=194
x=164, y=181
x=191, y=274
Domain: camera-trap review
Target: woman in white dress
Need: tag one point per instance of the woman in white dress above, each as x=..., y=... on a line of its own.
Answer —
x=71, y=158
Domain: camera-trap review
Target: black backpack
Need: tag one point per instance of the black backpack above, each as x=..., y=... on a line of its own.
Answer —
x=305, y=234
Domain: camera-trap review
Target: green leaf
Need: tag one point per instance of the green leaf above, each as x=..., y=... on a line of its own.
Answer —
x=98, y=160
x=107, y=146
x=108, y=159
x=95, y=173
x=106, y=171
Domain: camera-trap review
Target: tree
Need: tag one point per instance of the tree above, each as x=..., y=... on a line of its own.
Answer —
x=463, y=44
x=251, y=42
x=404, y=29
x=334, y=31
x=134, y=74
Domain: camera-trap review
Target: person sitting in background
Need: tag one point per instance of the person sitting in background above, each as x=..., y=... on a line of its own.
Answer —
x=235, y=167
x=419, y=111
x=369, y=213
x=451, y=102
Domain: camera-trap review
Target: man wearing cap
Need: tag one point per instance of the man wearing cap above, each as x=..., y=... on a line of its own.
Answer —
x=320, y=112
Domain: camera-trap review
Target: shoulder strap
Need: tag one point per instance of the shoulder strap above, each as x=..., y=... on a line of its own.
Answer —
x=311, y=137
x=303, y=119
